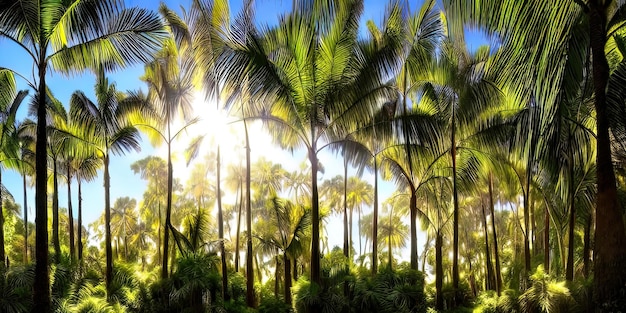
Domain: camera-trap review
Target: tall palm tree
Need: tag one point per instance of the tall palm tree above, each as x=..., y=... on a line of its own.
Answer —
x=603, y=21
x=359, y=193
x=85, y=169
x=106, y=129
x=303, y=64
x=10, y=101
x=26, y=167
x=124, y=220
x=73, y=37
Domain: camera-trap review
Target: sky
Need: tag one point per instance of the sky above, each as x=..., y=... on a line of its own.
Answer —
x=123, y=181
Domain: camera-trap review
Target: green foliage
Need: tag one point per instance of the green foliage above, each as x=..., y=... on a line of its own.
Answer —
x=546, y=295
x=311, y=297
x=390, y=291
x=15, y=289
x=489, y=302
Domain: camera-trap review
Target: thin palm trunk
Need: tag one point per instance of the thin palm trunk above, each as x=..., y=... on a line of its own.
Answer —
x=439, y=272
x=413, y=213
x=495, y=236
x=587, y=247
x=25, y=216
x=238, y=234
x=390, y=256
x=347, y=238
x=41, y=290
x=168, y=207
x=455, y=218
x=490, y=281
x=569, y=269
x=55, y=212
x=610, y=237
x=546, y=241
x=375, y=222
x=287, y=264
x=80, y=220
x=107, y=221
x=220, y=221
x=70, y=213
x=249, y=266
x=315, y=212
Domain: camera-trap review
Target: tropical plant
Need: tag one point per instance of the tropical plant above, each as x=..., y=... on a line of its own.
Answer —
x=70, y=39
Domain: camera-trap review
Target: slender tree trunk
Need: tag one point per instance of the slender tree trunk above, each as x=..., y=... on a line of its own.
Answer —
x=168, y=207
x=70, y=213
x=276, y=277
x=569, y=269
x=2, y=255
x=390, y=256
x=80, y=220
x=347, y=238
x=587, y=247
x=455, y=215
x=237, y=235
x=495, y=237
x=55, y=212
x=25, y=216
x=287, y=278
x=375, y=221
x=610, y=237
x=107, y=225
x=315, y=215
x=220, y=222
x=41, y=290
x=490, y=283
x=159, y=232
x=295, y=269
x=527, y=194
x=546, y=241
x=439, y=272
x=250, y=301
x=413, y=210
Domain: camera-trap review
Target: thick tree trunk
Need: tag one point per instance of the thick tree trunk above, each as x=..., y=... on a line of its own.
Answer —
x=439, y=272
x=55, y=212
x=107, y=225
x=220, y=222
x=610, y=238
x=70, y=213
x=315, y=216
x=375, y=221
x=250, y=301
x=495, y=237
x=41, y=290
x=25, y=216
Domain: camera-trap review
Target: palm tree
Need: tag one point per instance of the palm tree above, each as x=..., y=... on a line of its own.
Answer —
x=124, y=220
x=393, y=232
x=10, y=100
x=602, y=20
x=85, y=169
x=303, y=64
x=359, y=193
x=106, y=128
x=71, y=38
x=26, y=167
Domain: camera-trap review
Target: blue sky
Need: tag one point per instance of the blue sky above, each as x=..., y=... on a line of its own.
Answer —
x=123, y=181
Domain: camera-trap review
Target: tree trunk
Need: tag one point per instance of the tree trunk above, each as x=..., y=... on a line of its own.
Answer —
x=455, y=216
x=250, y=301
x=25, y=216
x=237, y=235
x=315, y=218
x=569, y=269
x=495, y=237
x=70, y=213
x=610, y=237
x=287, y=278
x=276, y=277
x=55, y=212
x=390, y=254
x=41, y=290
x=220, y=222
x=80, y=220
x=107, y=225
x=375, y=221
x=168, y=208
x=587, y=247
x=347, y=237
x=439, y=271
x=546, y=241
x=413, y=213
x=2, y=257
x=490, y=282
